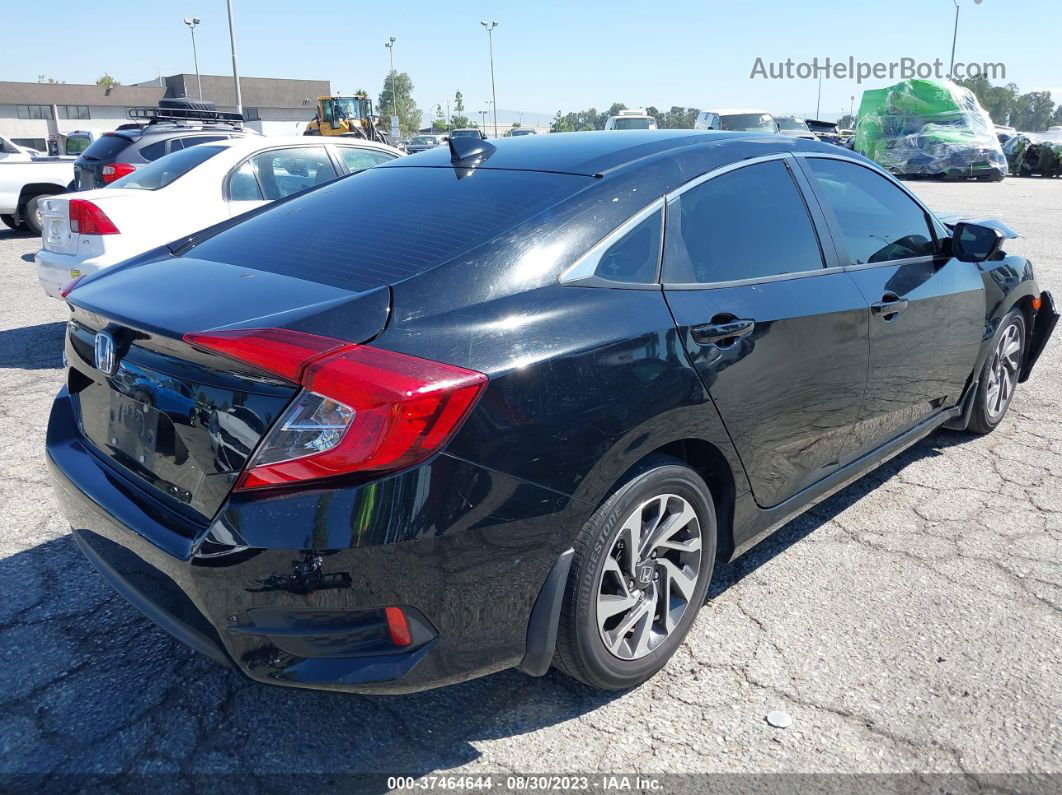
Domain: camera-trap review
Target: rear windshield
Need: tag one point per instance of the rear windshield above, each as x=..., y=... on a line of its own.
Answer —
x=162, y=172
x=791, y=124
x=629, y=123
x=106, y=148
x=386, y=224
x=747, y=122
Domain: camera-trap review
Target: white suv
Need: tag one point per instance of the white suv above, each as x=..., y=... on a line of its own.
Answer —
x=632, y=119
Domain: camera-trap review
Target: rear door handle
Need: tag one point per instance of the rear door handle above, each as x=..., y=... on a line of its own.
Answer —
x=889, y=306
x=722, y=334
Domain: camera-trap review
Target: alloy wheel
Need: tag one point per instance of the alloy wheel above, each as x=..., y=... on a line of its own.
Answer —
x=649, y=576
x=1003, y=373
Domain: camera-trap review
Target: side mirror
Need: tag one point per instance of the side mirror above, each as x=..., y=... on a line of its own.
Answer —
x=974, y=243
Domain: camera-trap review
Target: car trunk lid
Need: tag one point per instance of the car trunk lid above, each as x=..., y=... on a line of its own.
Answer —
x=180, y=420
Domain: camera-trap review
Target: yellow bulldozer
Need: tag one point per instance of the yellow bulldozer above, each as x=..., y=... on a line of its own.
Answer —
x=348, y=116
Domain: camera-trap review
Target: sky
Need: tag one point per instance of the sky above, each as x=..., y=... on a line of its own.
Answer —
x=548, y=55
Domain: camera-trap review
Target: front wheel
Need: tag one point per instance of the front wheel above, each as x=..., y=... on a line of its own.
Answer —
x=640, y=573
x=999, y=376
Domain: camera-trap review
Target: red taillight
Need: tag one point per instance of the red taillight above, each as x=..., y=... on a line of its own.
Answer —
x=398, y=626
x=67, y=288
x=88, y=219
x=116, y=171
x=363, y=409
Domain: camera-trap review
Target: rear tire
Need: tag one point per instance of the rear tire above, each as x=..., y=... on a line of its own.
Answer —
x=999, y=376
x=640, y=574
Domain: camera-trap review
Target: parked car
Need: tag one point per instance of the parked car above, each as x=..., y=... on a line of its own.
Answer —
x=1034, y=154
x=421, y=143
x=176, y=124
x=518, y=132
x=825, y=131
x=183, y=192
x=736, y=120
x=631, y=119
x=468, y=132
x=521, y=430
x=794, y=127
x=26, y=180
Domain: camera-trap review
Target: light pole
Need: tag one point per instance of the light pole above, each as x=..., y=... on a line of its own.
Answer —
x=954, y=38
x=235, y=69
x=482, y=119
x=851, y=110
x=818, y=104
x=191, y=22
x=490, y=45
x=390, y=45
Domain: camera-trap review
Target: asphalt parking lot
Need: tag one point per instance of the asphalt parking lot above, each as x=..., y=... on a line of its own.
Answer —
x=910, y=623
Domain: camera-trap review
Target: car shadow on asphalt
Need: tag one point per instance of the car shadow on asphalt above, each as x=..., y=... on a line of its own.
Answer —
x=90, y=685
x=729, y=574
x=37, y=347
x=15, y=234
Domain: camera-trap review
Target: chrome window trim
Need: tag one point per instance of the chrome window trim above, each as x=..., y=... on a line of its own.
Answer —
x=697, y=181
x=583, y=272
x=778, y=277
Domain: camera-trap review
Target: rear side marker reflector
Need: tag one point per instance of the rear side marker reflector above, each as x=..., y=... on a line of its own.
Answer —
x=398, y=626
x=362, y=410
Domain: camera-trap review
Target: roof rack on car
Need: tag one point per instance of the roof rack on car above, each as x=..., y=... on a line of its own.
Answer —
x=170, y=115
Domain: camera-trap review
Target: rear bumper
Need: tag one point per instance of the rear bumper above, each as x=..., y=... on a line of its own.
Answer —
x=54, y=270
x=290, y=600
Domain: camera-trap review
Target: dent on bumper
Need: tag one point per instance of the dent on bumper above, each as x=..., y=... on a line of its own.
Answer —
x=441, y=541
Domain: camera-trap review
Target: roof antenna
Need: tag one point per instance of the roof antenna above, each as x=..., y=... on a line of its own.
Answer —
x=469, y=152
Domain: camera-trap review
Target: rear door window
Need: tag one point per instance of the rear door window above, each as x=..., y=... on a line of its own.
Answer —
x=243, y=185
x=165, y=170
x=105, y=148
x=745, y=224
x=153, y=151
x=388, y=224
x=285, y=172
x=879, y=222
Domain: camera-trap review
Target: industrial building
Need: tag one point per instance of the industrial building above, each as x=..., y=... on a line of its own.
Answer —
x=31, y=113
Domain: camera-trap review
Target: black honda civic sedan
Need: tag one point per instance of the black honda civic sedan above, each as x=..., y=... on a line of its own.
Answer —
x=506, y=404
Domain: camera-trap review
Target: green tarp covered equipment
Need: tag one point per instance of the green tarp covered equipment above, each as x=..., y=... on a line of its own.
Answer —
x=929, y=128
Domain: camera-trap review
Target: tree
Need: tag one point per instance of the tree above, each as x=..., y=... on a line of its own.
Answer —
x=439, y=122
x=459, y=102
x=409, y=115
x=106, y=81
x=1033, y=111
x=846, y=122
x=458, y=122
x=1056, y=119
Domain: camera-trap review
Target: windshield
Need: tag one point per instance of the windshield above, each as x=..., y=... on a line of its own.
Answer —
x=464, y=133
x=423, y=139
x=521, y=132
x=747, y=122
x=635, y=123
x=352, y=108
x=166, y=169
x=791, y=124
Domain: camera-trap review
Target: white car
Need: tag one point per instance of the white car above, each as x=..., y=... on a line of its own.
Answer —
x=631, y=119
x=184, y=192
x=737, y=120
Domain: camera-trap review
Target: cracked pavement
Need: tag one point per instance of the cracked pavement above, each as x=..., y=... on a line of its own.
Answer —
x=911, y=623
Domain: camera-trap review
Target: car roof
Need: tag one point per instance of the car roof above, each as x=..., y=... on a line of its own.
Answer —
x=254, y=143
x=600, y=152
x=736, y=111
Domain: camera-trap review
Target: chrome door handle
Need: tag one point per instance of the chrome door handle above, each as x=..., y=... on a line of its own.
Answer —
x=889, y=306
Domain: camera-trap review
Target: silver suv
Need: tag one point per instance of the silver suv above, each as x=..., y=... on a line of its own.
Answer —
x=175, y=124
